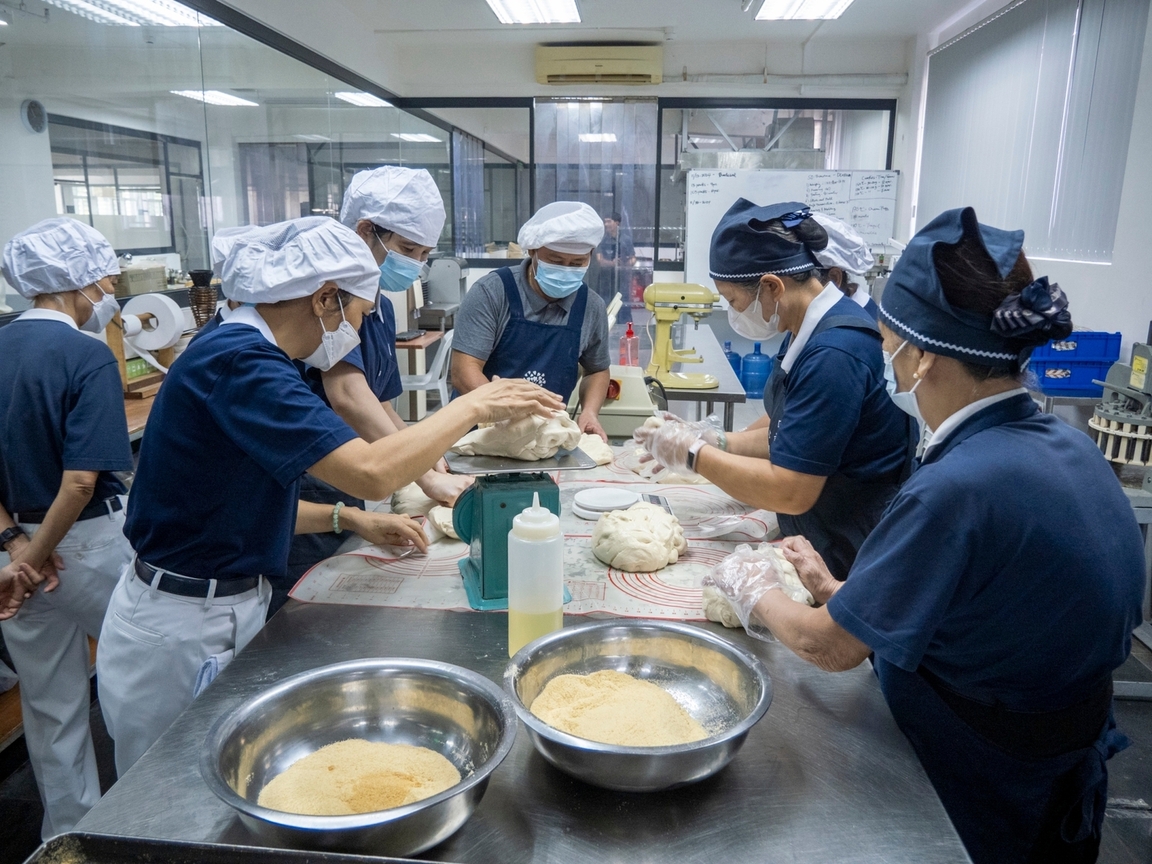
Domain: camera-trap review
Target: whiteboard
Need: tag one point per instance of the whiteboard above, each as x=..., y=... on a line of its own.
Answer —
x=864, y=199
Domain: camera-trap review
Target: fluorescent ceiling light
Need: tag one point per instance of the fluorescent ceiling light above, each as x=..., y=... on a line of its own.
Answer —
x=598, y=137
x=136, y=13
x=213, y=97
x=536, y=11
x=312, y=138
x=416, y=138
x=801, y=10
x=362, y=100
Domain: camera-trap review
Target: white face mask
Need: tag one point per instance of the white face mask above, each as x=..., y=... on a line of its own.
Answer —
x=103, y=311
x=751, y=324
x=335, y=345
x=906, y=402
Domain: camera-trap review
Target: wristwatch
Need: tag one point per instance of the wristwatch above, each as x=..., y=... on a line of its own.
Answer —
x=10, y=534
x=694, y=448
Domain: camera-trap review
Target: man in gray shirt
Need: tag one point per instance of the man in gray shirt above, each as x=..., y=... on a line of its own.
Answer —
x=537, y=320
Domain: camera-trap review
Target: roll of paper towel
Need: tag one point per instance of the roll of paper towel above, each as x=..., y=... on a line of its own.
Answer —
x=165, y=328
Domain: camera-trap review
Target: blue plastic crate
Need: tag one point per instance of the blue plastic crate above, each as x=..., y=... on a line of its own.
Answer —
x=1082, y=345
x=1070, y=377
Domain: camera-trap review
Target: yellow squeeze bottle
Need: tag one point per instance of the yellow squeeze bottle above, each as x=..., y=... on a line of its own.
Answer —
x=535, y=575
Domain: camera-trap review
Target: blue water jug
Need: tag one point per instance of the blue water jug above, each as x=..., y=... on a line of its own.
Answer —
x=733, y=358
x=756, y=368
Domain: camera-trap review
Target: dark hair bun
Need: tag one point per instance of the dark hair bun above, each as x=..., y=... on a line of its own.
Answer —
x=812, y=234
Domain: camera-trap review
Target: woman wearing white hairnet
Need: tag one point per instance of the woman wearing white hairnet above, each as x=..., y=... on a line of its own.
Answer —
x=214, y=503
x=847, y=258
x=61, y=437
x=540, y=321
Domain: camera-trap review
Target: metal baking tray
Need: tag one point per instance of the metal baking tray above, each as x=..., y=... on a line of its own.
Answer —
x=80, y=848
x=564, y=460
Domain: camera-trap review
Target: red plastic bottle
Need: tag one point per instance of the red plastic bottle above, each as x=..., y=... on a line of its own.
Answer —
x=629, y=348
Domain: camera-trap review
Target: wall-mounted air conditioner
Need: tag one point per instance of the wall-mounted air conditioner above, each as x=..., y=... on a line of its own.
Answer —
x=599, y=64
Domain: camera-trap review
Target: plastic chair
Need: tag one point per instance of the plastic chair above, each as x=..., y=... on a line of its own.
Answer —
x=436, y=378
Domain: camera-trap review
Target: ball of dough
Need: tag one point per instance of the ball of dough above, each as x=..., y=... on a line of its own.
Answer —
x=641, y=539
x=718, y=609
x=411, y=501
x=716, y=605
x=441, y=519
x=529, y=438
x=595, y=448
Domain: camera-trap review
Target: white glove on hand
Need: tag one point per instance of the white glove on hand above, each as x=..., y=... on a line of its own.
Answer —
x=744, y=577
x=667, y=438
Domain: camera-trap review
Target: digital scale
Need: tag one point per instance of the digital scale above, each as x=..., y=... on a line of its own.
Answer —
x=483, y=514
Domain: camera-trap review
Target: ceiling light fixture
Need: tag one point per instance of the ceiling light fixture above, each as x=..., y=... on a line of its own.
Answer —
x=598, y=137
x=362, y=100
x=214, y=97
x=312, y=138
x=536, y=11
x=416, y=138
x=802, y=10
x=136, y=13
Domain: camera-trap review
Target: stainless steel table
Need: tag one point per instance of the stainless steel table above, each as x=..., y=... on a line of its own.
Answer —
x=825, y=776
x=730, y=392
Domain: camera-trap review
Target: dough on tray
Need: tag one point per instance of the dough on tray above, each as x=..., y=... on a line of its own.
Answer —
x=596, y=449
x=642, y=539
x=411, y=501
x=529, y=438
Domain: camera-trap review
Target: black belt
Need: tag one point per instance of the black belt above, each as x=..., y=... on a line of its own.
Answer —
x=187, y=586
x=1029, y=734
x=94, y=509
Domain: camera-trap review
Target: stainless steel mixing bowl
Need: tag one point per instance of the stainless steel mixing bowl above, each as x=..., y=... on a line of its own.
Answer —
x=725, y=688
x=453, y=711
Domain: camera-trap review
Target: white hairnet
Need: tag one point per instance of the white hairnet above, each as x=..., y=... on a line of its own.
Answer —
x=59, y=254
x=223, y=241
x=570, y=227
x=293, y=259
x=846, y=249
x=404, y=200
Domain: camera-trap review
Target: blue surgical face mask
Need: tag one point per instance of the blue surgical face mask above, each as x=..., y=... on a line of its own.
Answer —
x=558, y=282
x=906, y=401
x=398, y=272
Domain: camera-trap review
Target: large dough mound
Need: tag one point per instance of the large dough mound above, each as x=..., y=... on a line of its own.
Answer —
x=411, y=501
x=529, y=438
x=596, y=449
x=641, y=539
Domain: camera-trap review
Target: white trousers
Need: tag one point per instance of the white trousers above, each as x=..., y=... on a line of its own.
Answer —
x=48, y=641
x=152, y=647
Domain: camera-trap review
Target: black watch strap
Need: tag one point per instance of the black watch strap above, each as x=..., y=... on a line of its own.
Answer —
x=10, y=534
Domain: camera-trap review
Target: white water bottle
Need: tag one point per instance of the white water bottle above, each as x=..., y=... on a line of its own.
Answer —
x=535, y=575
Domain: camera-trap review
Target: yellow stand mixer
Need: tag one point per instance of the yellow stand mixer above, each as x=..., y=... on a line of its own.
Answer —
x=670, y=300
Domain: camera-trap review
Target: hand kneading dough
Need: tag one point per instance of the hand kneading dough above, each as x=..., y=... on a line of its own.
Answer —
x=357, y=776
x=647, y=470
x=441, y=518
x=615, y=708
x=641, y=539
x=529, y=438
x=718, y=609
x=596, y=449
x=411, y=501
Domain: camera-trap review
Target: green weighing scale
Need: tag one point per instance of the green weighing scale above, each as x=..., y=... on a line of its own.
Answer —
x=483, y=515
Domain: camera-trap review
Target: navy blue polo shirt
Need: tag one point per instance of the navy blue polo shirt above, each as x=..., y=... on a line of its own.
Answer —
x=838, y=417
x=1010, y=565
x=61, y=409
x=230, y=434
x=375, y=356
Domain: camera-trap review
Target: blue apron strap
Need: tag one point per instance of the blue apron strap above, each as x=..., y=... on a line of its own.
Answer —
x=576, y=315
x=515, y=307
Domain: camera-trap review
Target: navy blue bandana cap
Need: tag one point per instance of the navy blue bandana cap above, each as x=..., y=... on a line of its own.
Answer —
x=744, y=249
x=1040, y=311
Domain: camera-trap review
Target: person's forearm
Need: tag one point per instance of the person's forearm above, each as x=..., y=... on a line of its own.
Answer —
x=751, y=442
x=313, y=518
x=76, y=490
x=759, y=483
x=351, y=397
x=396, y=419
x=811, y=633
x=375, y=471
x=758, y=423
x=593, y=392
x=467, y=373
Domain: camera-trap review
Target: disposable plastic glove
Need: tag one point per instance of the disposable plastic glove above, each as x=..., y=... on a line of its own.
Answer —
x=667, y=438
x=744, y=577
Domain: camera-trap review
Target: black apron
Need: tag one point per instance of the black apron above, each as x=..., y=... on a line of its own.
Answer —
x=847, y=509
x=308, y=550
